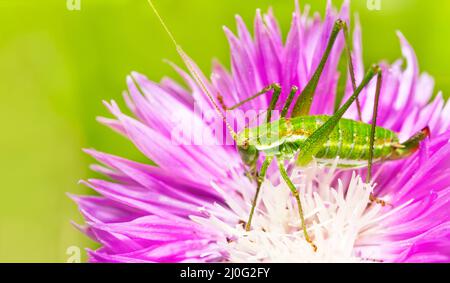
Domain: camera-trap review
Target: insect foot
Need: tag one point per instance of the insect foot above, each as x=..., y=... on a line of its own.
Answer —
x=313, y=245
x=376, y=200
x=376, y=68
x=374, y=5
x=340, y=24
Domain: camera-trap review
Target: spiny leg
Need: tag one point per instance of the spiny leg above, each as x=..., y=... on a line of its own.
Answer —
x=351, y=69
x=344, y=65
x=294, y=191
x=260, y=180
x=289, y=100
x=313, y=144
x=303, y=104
x=372, y=138
x=221, y=102
x=275, y=87
x=341, y=83
x=273, y=103
x=374, y=125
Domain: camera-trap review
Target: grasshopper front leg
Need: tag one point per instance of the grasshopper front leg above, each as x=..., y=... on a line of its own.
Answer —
x=273, y=101
x=260, y=180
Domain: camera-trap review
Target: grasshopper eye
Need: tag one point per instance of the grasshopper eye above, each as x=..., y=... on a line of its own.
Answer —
x=249, y=154
x=245, y=145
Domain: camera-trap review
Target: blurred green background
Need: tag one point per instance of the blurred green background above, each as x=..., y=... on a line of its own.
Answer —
x=57, y=65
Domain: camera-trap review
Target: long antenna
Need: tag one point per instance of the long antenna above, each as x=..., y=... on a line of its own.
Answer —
x=191, y=68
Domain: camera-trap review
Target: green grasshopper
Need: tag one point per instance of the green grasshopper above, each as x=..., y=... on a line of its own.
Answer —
x=324, y=138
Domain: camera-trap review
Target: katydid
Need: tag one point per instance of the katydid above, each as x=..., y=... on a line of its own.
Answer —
x=304, y=138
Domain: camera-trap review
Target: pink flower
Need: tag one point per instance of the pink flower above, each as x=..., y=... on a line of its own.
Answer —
x=190, y=207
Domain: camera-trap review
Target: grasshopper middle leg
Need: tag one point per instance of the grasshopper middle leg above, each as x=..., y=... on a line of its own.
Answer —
x=295, y=193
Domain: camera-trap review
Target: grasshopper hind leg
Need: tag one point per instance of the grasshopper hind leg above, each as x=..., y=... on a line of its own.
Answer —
x=302, y=106
x=373, y=198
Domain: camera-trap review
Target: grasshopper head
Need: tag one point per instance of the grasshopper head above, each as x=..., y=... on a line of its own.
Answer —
x=248, y=152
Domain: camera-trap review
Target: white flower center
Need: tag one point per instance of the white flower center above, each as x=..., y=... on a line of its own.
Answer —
x=336, y=220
